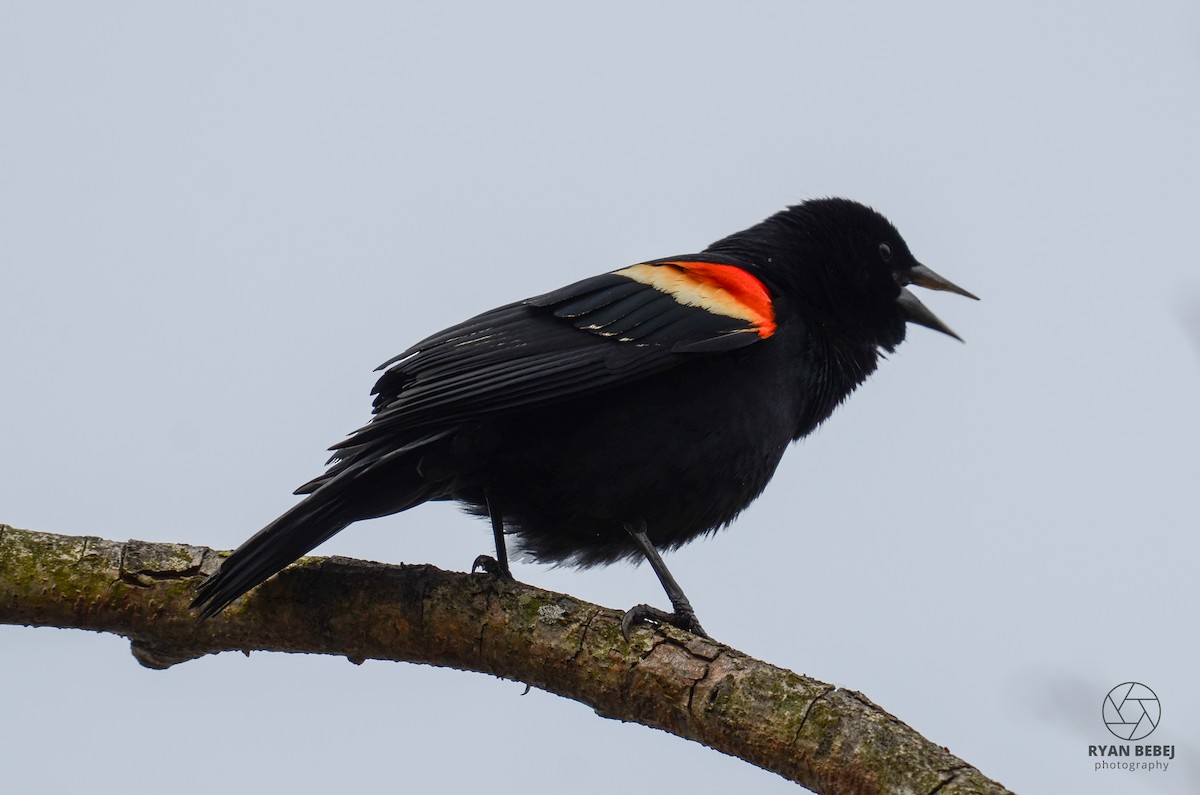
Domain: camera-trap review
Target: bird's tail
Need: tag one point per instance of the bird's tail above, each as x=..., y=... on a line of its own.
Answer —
x=284, y=540
x=362, y=491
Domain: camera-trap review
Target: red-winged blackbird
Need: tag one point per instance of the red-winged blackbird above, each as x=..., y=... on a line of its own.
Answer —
x=625, y=413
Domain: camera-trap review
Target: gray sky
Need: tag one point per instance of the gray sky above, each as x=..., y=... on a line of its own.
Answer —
x=217, y=219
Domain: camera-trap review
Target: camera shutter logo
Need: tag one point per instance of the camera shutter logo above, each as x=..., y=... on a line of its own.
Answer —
x=1131, y=711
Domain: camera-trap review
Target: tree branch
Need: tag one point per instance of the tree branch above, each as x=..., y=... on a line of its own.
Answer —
x=831, y=740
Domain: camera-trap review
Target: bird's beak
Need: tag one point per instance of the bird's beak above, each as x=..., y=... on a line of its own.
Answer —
x=916, y=311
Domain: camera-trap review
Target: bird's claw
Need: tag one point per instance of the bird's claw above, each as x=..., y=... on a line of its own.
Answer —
x=490, y=565
x=682, y=619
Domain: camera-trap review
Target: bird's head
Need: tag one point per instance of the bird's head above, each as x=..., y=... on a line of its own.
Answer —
x=846, y=269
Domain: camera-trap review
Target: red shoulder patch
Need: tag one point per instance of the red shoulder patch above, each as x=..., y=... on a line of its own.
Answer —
x=721, y=289
x=742, y=287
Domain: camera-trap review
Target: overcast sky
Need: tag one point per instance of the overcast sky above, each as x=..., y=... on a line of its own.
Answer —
x=216, y=219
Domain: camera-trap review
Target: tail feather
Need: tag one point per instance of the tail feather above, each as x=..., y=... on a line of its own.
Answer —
x=268, y=551
x=366, y=490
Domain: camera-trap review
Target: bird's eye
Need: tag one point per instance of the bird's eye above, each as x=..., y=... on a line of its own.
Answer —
x=885, y=252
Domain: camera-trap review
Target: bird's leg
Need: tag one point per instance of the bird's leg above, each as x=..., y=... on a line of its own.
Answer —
x=684, y=616
x=497, y=566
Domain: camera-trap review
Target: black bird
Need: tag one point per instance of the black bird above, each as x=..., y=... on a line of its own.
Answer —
x=625, y=413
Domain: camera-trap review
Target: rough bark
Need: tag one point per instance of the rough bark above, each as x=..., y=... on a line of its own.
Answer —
x=831, y=740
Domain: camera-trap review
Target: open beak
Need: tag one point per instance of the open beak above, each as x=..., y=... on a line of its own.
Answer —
x=916, y=311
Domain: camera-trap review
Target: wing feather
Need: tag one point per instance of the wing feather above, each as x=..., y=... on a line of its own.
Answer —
x=586, y=337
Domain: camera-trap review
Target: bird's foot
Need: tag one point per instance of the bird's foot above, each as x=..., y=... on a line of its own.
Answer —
x=684, y=619
x=489, y=565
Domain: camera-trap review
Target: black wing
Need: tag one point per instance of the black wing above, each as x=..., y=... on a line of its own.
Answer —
x=586, y=337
